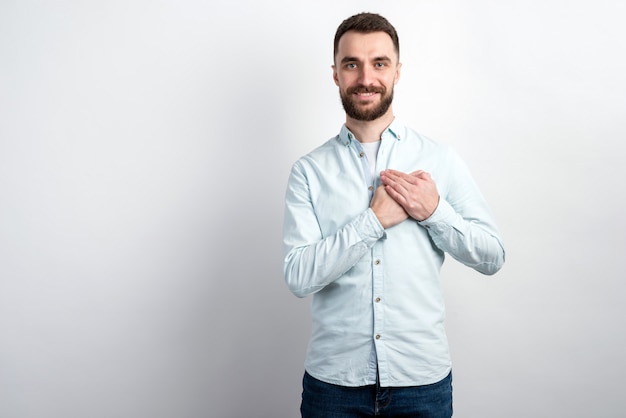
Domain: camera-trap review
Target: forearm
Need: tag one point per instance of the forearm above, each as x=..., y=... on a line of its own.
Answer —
x=474, y=243
x=309, y=267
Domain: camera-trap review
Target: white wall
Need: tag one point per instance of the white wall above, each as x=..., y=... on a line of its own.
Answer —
x=144, y=150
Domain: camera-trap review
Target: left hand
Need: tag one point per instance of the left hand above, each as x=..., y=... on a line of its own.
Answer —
x=415, y=192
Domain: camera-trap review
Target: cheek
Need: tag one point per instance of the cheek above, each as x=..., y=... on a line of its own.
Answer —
x=342, y=83
x=346, y=79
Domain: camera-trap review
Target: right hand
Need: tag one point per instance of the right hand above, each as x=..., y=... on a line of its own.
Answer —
x=387, y=210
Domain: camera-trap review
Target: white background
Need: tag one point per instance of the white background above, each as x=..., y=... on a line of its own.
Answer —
x=144, y=152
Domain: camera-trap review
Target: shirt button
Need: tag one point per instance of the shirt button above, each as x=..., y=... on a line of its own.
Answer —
x=362, y=154
x=377, y=336
x=377, y=262
x=370, y=188
x=377, y=300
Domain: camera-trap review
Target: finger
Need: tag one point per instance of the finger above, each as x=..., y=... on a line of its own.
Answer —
x=398, y=177
x=425, y=175
x=394, y=173
x=395, y=195
x=398, y=184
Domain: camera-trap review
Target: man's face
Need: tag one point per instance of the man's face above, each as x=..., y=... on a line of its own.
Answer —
x=366, y=69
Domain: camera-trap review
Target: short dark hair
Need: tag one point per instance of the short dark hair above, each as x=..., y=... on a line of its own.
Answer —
x=366, y=23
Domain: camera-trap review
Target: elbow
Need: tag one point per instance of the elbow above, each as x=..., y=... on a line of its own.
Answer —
x=297, y=290
x=299, y=293
x=294, y=287
x=492, y=267
x=488, y=270
x=293, y=281
x=302, y=279
x=300, y=288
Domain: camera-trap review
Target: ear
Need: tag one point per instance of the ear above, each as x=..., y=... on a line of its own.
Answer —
x=335, y=78
x=397, y=77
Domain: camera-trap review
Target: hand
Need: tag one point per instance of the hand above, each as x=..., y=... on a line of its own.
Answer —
x=386, y=209
x=415, y=192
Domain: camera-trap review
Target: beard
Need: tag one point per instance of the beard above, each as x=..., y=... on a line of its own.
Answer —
x=355, y=111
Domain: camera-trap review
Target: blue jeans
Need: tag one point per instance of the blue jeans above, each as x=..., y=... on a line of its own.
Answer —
x=323, y=400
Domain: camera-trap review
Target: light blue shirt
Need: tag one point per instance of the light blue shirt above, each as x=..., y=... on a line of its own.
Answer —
x=377, y=295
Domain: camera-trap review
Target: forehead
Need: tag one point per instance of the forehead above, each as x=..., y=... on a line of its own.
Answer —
x=365, y=45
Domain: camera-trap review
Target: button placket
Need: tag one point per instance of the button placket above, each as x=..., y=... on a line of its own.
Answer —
x=378, y=283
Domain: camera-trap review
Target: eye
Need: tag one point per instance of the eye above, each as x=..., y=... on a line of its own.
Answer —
x=380, y=65
x=350, y=65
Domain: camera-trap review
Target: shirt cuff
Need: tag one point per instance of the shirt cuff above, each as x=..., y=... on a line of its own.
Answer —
x=369, y=228
x=442, y=217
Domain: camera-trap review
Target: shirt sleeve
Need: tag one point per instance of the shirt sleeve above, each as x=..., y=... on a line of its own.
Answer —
x=310, y=260
x=462, y=225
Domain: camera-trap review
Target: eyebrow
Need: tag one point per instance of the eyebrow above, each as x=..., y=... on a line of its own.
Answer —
x=354, y=59
x=348, y=59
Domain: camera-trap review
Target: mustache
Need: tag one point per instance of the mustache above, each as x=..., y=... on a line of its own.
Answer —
x=365, y=89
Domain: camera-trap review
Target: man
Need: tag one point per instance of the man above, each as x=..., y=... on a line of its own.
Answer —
x=368, y=218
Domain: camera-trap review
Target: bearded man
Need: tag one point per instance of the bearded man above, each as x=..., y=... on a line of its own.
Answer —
x=369, y=216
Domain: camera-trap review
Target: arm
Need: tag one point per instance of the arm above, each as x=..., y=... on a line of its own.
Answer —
x=473, y=242
x=459, y=223
x=312, y=261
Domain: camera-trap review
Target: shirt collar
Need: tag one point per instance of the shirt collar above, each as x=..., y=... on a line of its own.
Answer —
x=395, y=130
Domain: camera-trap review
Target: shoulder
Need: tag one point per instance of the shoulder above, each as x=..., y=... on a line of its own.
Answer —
x=414, y=139
x=321, y=155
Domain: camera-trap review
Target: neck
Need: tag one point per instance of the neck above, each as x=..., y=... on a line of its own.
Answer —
x=369, y=131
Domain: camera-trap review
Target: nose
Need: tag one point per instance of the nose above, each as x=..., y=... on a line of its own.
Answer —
x=366, y=76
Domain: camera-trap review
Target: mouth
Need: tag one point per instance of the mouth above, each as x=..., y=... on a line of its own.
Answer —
x=365, y=93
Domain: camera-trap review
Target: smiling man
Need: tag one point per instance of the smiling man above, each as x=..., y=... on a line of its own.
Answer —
x=363, y=99
x=369, y=216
